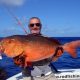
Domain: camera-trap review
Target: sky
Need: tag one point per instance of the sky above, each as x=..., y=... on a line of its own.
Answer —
x=60, y=18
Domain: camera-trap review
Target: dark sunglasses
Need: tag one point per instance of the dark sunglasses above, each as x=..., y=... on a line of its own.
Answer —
x=37, y=24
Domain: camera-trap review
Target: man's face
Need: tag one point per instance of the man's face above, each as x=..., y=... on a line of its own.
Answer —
x=35, y=26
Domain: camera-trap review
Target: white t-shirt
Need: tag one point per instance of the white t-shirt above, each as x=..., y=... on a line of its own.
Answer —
x=38, y=70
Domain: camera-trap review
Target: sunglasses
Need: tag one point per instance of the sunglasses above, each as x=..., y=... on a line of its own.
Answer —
x=36, y=24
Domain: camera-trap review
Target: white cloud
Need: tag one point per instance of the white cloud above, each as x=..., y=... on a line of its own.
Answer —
x=12, y=2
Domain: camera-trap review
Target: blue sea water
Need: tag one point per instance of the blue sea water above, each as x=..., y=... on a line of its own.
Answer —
x=65, y=61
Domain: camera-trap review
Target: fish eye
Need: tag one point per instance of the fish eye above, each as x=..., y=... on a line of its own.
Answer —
x=11, y=40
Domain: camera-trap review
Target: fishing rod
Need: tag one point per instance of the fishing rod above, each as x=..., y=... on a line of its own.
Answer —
x=16, y=18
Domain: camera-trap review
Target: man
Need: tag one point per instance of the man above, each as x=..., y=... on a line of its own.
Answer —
x=40, y=70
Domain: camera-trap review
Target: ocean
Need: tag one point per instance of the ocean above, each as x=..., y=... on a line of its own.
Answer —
x=64, y=62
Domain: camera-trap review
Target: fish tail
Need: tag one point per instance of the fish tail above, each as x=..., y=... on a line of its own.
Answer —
x=71, y=48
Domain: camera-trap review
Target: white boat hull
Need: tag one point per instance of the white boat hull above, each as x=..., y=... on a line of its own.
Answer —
x=65, y=74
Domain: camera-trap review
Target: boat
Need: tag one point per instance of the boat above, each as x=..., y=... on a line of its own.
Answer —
x=63, y=74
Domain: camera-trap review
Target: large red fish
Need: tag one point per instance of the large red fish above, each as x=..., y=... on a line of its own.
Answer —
x=31, y=48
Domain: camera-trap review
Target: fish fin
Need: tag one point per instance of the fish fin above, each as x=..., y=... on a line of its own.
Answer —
x=71, y=48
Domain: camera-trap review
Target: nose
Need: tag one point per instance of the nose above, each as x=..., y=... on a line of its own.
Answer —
x=34, y=25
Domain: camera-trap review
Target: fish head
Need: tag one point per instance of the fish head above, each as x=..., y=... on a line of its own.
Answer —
x=6, y=42
x=8, y=47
